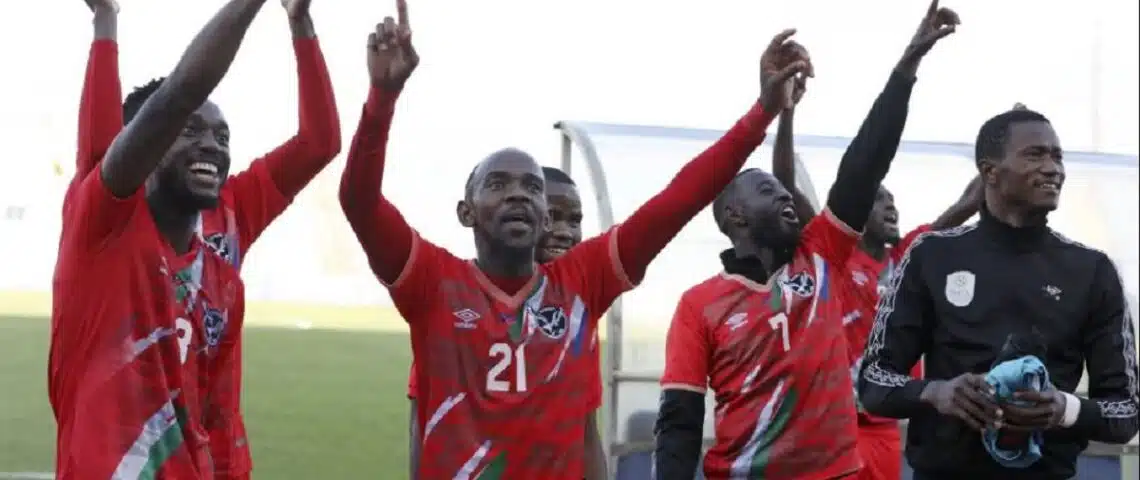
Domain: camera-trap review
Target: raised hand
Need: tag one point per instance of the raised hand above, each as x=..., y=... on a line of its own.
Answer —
x=938, y=23
x=391, y=56
x=296, y=8
x=110, y=6
x=781, y=61
x=794, y=89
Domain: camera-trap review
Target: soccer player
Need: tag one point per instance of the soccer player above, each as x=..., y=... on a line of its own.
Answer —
x=144, y=317
x=879, y=249
x=504, y=376
x=250, y=200
x=564, y=207
x=766, y=333
x=960, y=294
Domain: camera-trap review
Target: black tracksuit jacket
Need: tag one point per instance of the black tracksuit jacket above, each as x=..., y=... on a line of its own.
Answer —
x=958, y=295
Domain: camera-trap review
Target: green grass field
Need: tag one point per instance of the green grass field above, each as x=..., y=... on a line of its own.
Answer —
x=318, y=403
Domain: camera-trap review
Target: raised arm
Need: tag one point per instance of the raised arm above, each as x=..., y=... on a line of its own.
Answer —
x=100, y=110
x=139, y=148
x=966, y=206
x=784, y=153
x=379, y=226
x=868, y=158
x=294, y=164
x=1110, y=413
x=655, y=223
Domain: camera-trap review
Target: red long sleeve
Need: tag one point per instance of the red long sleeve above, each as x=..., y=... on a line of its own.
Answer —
x=655, y=223
x=294, y=164
x=382, y=231
x=100, y=109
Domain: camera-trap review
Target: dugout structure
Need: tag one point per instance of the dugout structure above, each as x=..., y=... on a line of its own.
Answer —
x=619, y=166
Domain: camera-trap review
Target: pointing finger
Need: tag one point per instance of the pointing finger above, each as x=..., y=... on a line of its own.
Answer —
x=402, y=12
x=780, y=38
x=930, y=11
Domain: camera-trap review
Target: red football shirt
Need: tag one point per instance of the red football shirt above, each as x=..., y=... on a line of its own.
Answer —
x=776, y=359
x=250, y=201
x=500, y=376
x=859, y=296
x=139, y=336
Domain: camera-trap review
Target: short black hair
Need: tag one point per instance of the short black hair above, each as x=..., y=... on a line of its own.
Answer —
x=556, y=175
x=727, y=195
x=135, y=100
x=995, y=132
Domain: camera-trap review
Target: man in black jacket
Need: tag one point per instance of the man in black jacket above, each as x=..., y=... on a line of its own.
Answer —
x=960, y=293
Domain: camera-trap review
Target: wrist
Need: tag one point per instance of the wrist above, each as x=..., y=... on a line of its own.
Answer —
x=1072, y=410
x=930, y=391
x=759, y=118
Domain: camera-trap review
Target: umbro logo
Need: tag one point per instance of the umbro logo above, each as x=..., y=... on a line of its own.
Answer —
x=465, y=318
x=736, y=321
x=859, y=277
x=1052, y=291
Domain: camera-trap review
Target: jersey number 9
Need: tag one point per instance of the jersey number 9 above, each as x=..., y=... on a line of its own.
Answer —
x=498, y=378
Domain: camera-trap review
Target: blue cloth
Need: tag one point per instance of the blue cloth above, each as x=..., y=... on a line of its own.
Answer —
x=1023, y=373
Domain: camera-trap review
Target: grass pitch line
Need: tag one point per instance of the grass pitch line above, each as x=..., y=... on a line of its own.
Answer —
x=27, y=475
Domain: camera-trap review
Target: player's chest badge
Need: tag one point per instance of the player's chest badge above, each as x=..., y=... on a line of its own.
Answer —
x=552, y=322
x=802, y=284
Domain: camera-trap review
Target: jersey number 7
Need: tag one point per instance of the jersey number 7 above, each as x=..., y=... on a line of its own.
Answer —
x=780, y=322
x=504, y=356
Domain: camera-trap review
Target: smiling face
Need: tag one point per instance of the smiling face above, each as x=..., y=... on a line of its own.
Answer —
x=564, y=208
x=506, y=200
x=194, y=169
x=763, y=211
x=1031, y=172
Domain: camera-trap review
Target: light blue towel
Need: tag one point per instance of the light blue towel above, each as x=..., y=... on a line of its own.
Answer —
x=1023, y=373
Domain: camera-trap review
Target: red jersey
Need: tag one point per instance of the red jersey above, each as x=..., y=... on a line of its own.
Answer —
x=776, y=359
x=249, y=200
x=500, y=377
x=139, y=336
x=860, y=295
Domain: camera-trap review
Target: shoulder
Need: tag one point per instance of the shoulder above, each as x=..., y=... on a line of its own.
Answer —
x=1073, y=247
x=934, y=239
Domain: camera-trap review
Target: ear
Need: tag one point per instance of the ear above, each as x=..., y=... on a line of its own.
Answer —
x=734, y=218
x=465, y=214
x=987, y=169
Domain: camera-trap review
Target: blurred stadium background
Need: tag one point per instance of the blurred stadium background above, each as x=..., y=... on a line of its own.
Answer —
x=326, y=356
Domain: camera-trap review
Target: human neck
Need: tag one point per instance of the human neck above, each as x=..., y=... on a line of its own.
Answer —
x=770, y=259
x=175, y=224
x=876, y=249
x=1011, y=215
x=504, y=262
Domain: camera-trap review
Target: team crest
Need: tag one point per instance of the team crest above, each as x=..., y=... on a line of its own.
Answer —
x=960, y=288
x=214, y=322
x=552, y=321
x=802, y=284
x=859, y=277
x=219, y=244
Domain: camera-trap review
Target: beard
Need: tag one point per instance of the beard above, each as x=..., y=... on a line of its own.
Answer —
x=175, y=192
x=775, y=234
